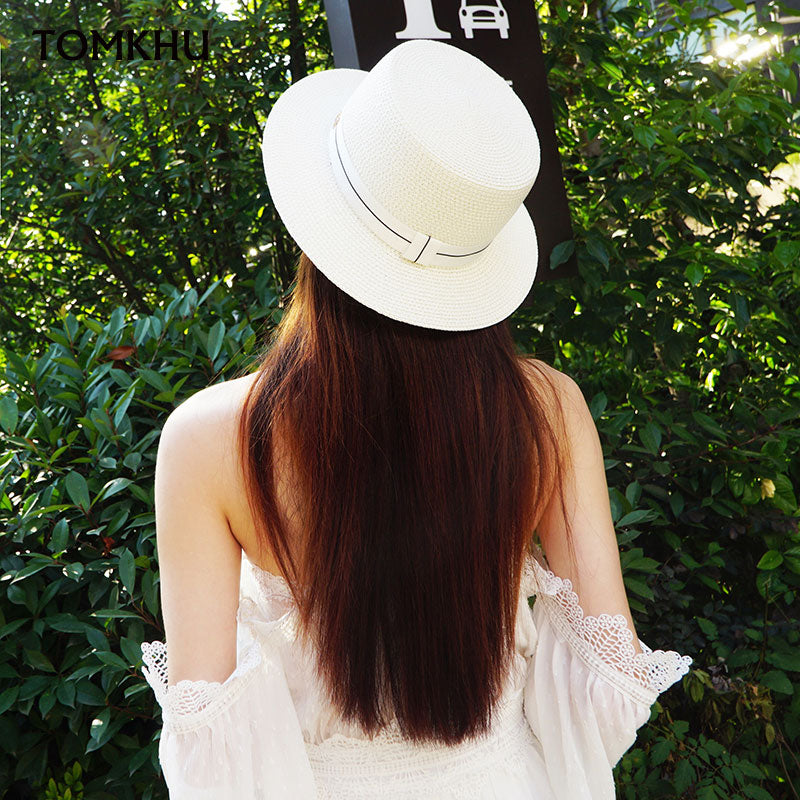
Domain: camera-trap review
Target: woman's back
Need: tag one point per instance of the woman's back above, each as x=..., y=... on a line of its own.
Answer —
x=578, y=688
x=217, y=408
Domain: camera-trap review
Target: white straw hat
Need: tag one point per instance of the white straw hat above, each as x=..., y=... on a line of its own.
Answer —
x=405, y=184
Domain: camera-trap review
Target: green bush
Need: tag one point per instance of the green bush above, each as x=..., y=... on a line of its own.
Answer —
x=140, y=172
x=80, y=587
x=681, y=327
x=682, y=330
x=70, y=789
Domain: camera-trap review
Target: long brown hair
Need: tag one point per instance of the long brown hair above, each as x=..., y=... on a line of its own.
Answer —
x=422, y=459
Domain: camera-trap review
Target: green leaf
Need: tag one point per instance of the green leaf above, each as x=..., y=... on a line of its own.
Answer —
x=612, y=69
x=89, y=694
x=637, y=515
x=785, y=661
x=32, y=569
x=638, y=586
x=694, y=273
x=786, y=253
x=78, y=490
x=708, y=627
x=633, y=493
x=561, y=253
x=121, y=407
x=8, y=698
x=683, y=777
x=598, y=405
x=741, y=312
x=645, y=135
x=38, y=660
x=777, y=681
x=114, y=613
x=643, y=564
x=74, y=570
x=10, y=627
x=598, y=251
x=127, y=571
x=651, y=437
x=132, y=461
x=65, y=693
x=99, y=729
x=111, y=488
x=65, y=623
x=111, y=659
x=215, y=338
x=770, y=560
x=60, y=538
x=660, y=751
x=784, y=493
x=708, y=424
x=131, y=649
x=9, y=413
x=750, y=769
x=34, y=686
x=155, y=379
x=680, y=727
x=756, y=792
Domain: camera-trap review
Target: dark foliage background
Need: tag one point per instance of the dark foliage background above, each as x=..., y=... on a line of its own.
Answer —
x=142, y=260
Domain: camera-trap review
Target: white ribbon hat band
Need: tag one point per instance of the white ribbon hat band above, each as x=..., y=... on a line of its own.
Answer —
x=415, y=246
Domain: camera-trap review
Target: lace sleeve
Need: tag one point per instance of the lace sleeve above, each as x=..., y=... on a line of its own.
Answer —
x=235, y=740
x=604, y=642
x=587, y=690
x=190, y=704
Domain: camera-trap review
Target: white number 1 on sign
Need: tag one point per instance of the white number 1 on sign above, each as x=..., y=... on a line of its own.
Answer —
x=421, y=22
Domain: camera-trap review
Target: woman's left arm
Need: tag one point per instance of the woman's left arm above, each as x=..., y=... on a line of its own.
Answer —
x=199, y=559
x=230, y=730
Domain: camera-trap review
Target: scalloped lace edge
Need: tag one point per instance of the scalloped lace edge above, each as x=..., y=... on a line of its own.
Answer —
x=190, y=704
x=604, y=642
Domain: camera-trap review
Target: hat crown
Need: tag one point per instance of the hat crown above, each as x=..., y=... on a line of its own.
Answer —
x=442, y=142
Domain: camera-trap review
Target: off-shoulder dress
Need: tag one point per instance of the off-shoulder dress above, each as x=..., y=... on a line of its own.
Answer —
x=574, y=699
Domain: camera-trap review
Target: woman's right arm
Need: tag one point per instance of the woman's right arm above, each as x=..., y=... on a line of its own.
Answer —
x=591, y=681
x=596, y=575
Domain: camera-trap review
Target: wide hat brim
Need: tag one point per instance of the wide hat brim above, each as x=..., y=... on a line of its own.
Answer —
x=301, y=182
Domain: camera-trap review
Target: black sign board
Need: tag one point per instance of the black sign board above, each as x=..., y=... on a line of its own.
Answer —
x=505, y=35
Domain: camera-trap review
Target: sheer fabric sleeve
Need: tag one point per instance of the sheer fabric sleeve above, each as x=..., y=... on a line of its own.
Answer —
x=587, y=691
x=236, y=740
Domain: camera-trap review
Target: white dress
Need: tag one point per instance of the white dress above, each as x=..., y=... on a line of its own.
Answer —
x=574, y=699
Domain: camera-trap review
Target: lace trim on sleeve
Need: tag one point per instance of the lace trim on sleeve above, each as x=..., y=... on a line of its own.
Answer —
x=190, y=704
x=604, y=642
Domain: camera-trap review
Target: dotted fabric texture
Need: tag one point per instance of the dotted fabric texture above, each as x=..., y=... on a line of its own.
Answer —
x=447, y=147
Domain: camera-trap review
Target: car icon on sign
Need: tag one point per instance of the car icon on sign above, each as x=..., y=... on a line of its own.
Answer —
x=472, y=15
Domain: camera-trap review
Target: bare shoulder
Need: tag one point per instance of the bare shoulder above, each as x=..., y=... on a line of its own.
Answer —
x=211, y=411
x=200, y=433
x=563, y=389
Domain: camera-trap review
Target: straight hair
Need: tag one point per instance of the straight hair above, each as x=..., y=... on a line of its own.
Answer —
x=420, y=460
